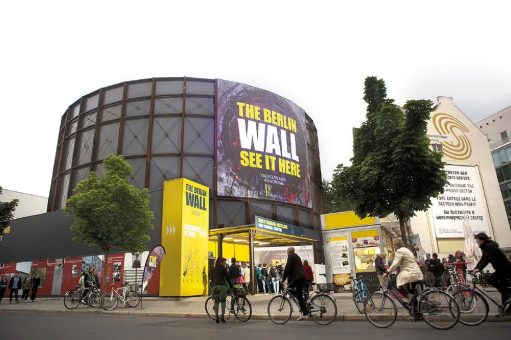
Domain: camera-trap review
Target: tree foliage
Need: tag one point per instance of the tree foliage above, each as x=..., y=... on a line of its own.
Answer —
x=333, y=199
x=6, y=212
x=393, y=168
x=110, y=211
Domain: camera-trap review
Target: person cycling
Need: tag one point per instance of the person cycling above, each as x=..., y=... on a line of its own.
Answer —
x=492, y=254
x=410, y=272
x=296, y=279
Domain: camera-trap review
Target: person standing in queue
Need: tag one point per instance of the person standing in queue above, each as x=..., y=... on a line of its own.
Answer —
x=220, y=280
x=3, y=286
x=233, y=271
x=295, y=277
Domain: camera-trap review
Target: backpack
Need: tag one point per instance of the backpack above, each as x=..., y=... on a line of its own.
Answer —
x=258, y=273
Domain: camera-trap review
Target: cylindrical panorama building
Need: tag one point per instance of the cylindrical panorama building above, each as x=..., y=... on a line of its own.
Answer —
x=256, y=151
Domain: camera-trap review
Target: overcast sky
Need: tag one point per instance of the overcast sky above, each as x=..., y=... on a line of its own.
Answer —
x=315, y=53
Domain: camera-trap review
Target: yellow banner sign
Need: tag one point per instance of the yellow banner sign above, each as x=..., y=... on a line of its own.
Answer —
x=185, y=231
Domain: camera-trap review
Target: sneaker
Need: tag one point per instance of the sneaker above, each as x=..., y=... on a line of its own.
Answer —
x=223, y=320
x=217, y=320
x=301, y=317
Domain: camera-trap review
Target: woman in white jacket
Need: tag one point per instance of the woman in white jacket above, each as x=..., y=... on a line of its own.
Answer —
x=409, y=269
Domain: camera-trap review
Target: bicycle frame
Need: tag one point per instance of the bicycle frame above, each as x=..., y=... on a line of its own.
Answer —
x=484, y=293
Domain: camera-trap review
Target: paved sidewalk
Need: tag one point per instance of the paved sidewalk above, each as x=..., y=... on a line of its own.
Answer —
x=194, y=307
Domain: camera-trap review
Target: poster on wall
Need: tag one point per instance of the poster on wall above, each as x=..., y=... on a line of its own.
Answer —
x=462, y=206
x=365, y=238
x=340, y=255
x=261, y=146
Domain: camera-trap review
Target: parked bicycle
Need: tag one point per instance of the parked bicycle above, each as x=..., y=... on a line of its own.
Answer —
x=437, y=308
x=473, y=303
x=74, y=297
x=237, y=303
x=455, y=282
x=128, y=297
x=360, y=293
x=320, y=306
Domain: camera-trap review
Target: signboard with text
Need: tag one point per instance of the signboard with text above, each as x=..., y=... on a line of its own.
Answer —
x=261, y=146
x=462, y=205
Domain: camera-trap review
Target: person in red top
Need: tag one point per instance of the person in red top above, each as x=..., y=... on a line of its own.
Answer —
x=309, y=275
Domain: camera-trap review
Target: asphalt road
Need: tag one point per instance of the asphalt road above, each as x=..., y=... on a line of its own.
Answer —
x=26, y=325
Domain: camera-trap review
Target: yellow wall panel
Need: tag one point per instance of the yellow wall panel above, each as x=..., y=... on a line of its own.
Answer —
x=346, y=219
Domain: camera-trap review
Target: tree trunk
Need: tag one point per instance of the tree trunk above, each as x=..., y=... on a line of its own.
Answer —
x=402, y=227
x=105, y=271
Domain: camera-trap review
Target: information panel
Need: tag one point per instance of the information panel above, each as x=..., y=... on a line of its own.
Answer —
x=261, y=146
x=462, y=208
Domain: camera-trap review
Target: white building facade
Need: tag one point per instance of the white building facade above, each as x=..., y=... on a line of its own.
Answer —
x=472, y=200
x=28, y=204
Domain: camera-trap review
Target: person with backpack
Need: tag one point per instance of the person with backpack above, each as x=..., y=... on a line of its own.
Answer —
x=259, y=278
x=275, y=279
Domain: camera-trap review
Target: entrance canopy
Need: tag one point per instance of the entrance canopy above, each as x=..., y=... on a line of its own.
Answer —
x=264, y=232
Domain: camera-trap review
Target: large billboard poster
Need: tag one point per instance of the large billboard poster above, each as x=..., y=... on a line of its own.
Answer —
x=261, y=146
x=461, y=210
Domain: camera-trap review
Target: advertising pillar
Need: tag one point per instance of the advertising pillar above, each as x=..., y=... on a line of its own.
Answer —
x=185, y=231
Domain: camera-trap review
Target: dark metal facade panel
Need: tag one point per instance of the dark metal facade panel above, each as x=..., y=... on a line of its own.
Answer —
x=166, y=128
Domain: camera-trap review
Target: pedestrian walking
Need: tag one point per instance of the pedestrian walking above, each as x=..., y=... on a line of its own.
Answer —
x=3, y=286
x=14, y=286
x=27, y=285
x=36, y=282
x=460, y=265
x=219, y=278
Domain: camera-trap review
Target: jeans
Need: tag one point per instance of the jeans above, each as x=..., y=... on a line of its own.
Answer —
x=15, y=292
x=275, y=282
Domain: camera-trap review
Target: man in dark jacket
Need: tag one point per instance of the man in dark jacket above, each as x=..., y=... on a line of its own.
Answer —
x=379, y=264
x=14, y=285
x=295, y=278
x=492, y=254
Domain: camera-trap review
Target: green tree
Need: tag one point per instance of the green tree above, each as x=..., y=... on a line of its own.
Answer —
x=334, y=199
x=110, y=211
x=6, y=212
x=393, y=168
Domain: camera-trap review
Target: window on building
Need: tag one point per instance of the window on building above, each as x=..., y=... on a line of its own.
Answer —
x=503, y=136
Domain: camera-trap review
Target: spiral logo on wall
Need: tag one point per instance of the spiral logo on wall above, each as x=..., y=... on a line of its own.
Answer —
x=459, y=146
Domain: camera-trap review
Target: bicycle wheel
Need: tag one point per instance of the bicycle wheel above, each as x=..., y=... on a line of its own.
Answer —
x=109, y=301
x=358, y=299
x=209, y=305
x=242, y=309
x=439, y=309
x=95, y=299
x=132, y=299
x=380, y=310
x=72, y=299
x=473, y=307
x=323, y=309
x=453, y=289
x=279, y=309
